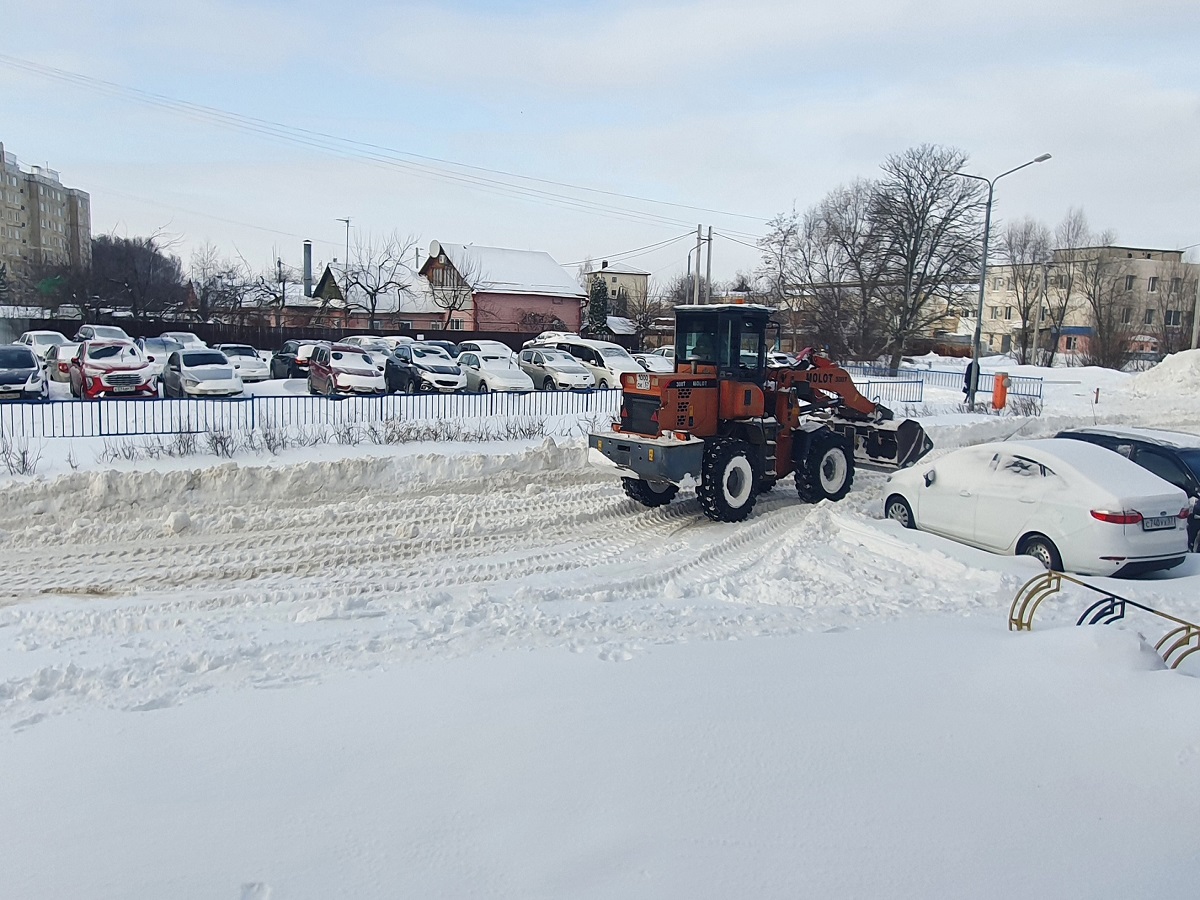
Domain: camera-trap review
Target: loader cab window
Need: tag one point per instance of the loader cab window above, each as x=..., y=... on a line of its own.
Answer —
x=732, y=341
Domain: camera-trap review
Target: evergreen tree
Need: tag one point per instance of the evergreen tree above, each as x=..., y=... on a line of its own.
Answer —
x=598, y=307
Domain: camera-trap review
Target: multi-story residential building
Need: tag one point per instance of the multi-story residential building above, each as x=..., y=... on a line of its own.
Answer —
x=618, y=277
x=1146, y=297
x=41, y=221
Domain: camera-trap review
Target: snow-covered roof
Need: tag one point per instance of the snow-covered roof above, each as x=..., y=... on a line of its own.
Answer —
x=621, y=325
x=614, y=268
x=496, y=270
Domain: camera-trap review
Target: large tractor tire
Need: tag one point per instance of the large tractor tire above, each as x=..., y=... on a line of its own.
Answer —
x=828, y=471
x=727, y=479
x=649, y=494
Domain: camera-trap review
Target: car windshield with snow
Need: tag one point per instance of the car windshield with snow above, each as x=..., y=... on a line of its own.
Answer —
x=114, y=352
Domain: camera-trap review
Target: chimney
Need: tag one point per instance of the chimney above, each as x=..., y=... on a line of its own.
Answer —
x=604, y=263
x=308, y=268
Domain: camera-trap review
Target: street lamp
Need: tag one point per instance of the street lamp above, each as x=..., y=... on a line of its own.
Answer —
x=973, y=385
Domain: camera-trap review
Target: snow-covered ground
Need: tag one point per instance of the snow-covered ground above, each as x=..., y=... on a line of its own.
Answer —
x=419, y=670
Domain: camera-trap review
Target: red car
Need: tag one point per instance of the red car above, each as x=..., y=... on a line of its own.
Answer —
x=343, y=369
x=110, y=368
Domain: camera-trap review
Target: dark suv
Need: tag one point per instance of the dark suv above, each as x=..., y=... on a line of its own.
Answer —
x=1173, y=456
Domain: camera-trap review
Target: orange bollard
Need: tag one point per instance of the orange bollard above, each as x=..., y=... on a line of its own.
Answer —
x=1000, y=390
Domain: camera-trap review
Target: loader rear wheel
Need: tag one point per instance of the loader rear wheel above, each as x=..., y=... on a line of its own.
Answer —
x=649, y=494
x=727, y=479
x=827, y=472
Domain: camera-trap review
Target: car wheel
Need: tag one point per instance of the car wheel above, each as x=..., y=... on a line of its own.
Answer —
x=549, y=385
x=483, y=388
x=603, y=385
x=828, y=471
x=898, y=510
x=311, y=388
x=648, y=493
x=726, y=489
x=1042, y=548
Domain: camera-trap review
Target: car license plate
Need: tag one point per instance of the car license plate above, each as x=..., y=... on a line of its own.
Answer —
x=1158, y=523
x=643, y=382
x=125, y=388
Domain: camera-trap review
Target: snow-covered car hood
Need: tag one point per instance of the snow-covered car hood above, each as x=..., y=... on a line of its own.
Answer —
x=209, y=373
x=569, y=368
x=514, y=377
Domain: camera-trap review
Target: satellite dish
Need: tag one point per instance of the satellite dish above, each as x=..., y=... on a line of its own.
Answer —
x=435, y=249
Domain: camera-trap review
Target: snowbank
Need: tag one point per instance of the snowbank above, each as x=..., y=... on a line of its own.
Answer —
x=1176, y=376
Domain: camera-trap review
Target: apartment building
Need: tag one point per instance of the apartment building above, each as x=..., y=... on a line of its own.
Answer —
x=619, y=277
x=1149, y=294
x=41, y=221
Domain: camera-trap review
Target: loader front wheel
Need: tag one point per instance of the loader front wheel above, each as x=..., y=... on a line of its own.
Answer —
x=726, y=490
x=648, y=494
x=827, y=472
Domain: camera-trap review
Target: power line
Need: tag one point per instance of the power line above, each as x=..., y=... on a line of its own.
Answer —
x=637, y=251
x=373, y=152
x=736, y=241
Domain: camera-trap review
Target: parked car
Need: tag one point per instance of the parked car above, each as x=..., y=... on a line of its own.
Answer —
x=1173, y=456
x=56, y=365
x=419, y=367
x=41, y=341
x=200, y=373
x=343, y=369
x=779, y=360
x=375, y=347
x=103, y=368
x=1072, y=505
x=450, y=347
x=668, y=351
x=606, y=361
x=493, y=371
x=490, y=348
x=187, y=339
x=394, y=340
x=21, y=375
x=653, y=363
x=156, y=350
x=246, y=360
x=553, y=370
x=291, y=360
x=548, y=337
x=100, y=333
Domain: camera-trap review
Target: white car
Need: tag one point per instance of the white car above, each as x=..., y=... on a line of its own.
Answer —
x=554, y=370
x=56, y=364
x=667, y=351
x=549, y=337
x=187, y=339
x=489, y=371
x=41, y=341
x=100, y=333
x=156, y=351
x=394, y=340
x=200, y=373
x=604, y=360
x=490, y=348
x=249, y=362
x=653, y=363
x=1074, y=506
x=374, y=347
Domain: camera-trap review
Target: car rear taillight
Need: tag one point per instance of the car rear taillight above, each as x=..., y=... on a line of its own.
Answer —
x=63, y=367
x=1117, y=518
x=1185, y=512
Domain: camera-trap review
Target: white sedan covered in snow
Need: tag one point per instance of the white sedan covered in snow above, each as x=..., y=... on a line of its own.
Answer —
x=1075, y=506
x=490, y=371
x=200, y=373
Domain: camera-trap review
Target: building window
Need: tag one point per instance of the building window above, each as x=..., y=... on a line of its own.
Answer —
x=458, y=325
x=1176, y=285
x=1129, y=279
x=995, y=312
x=1126, y=316
x=1173, y=318
x=1071, y=342
x=1152, y=285
x=1008, y=312
x=1149, y=317
x=406, y=326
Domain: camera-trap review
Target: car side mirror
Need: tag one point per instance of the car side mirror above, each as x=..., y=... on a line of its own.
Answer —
x=930, y=477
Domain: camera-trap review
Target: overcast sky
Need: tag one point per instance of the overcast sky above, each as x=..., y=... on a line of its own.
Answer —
x=745, y=109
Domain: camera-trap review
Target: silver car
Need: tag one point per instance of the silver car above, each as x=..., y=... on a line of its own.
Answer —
x=489, y=371
x=200, y=373
x=554, y=370
x=249, y=364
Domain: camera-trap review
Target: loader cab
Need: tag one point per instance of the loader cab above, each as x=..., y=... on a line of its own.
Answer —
x=729, y=337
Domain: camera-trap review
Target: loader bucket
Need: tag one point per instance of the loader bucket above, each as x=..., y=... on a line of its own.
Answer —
x=887, y=445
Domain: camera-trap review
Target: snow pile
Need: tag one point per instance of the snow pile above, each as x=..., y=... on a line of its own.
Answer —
x=1176, y=376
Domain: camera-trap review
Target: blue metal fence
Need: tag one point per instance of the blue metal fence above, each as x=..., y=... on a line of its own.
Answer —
x=114, y=418
x=1018, y=385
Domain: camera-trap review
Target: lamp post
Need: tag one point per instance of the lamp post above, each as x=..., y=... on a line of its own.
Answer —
x=346, y=263
x=973, y=385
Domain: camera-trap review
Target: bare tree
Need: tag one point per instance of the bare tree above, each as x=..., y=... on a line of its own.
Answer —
x=644, y=308
x=929, y=223
x=1104, y=285
x=137, y=274
x=453, y=288
x=1174, y=301
x=220, y=286
x=377, y=269
x=269, y=291
x=1025, y=250
x=1071, y=237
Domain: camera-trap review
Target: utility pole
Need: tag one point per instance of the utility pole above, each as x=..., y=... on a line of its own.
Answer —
x=708, y=273
x=696, y=283
x=1196, y=314
x=346, y=263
